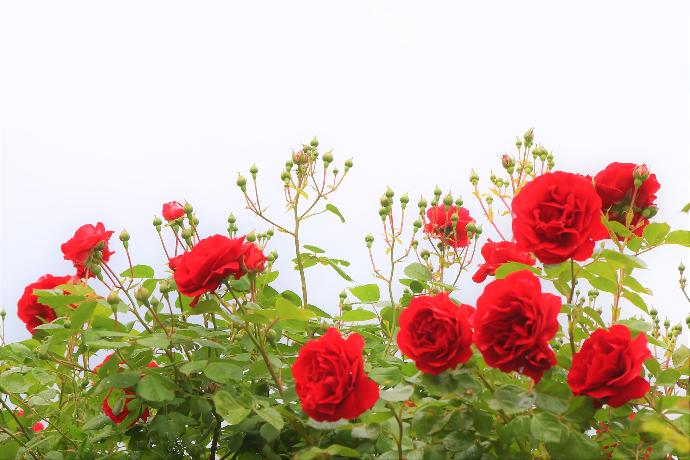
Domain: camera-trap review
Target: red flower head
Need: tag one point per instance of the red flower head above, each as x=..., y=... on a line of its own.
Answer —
x=514, y=322
x=557, y=216
x=172, y=211
x=38, y=426
x=254, y=259
x=440, y=224
x=330, y=379
x=88, y=245
x=208, y=264
x=607, y=367
x=496, y=254
x=435, y=333
x=29, y=310
x=118, y=415
x=20, y=412
x=616, y=187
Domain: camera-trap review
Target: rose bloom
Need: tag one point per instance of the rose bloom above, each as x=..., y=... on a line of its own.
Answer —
x=130, y=395
x=496, y=254
x=616, y=186
x=29, y=310
x=435, y=333
x=607, y=367
x=557, y=216
x=173, y=210
x=514, y=322
x=211, y=261
x=330, y=379
x=81, y=248
x=38, y=426
x=440, y=225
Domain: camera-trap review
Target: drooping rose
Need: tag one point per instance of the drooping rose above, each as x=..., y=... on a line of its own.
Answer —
x=172, y=211
x=608, y=366
x=330, y=379
x=29, y=310
x=615, y=185
x=514, y=322
x=435, y=333
x=440, y=224
x=89, y=245
x=557, y=216
x=119, y=414
x=496, y=254
x=208, y=264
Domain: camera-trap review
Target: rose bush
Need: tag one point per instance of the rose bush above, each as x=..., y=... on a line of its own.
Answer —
x=206, y=358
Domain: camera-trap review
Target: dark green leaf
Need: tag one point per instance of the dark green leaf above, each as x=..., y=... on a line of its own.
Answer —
x=223, y=372
x=155, y=388
x=366, y=293
x=229, y=408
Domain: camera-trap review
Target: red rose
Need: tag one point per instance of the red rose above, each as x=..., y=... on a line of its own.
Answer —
x=435, y=333
x=20, y=412
x=607, y=367
x=89, y=245
x=496, y=254
x=330, y=379
x=172, y=211
x=616, y=187
x=208, y=264
x=440, y=225
x=253, y=259
x=514, y=322
x=557, y=216
x=29, y=310
x=38, y=426
x=130, y=395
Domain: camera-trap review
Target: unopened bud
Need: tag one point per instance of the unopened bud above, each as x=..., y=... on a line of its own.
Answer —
x=687, y=320
x=474, y=178
x=314, y=142
x=269, y=232
x=454, y=219
x=141, y=294
x=241, y=182
x=288, y=165
x=667, y=323
x=425, y=254
x=385, y=201
x=253, y=170
x=641, y=172
x=272, y=256
x=681, y=267
x=471, y=227
x=529, y=137
x=272, y=336
x=285, y=176
x=3, y=314
x=437, y=192
x=348, y=163
x=458, y=202
x=186, y=233
x=251, y=237
x=489, y=199
x=327, y=157
x=653, y=312
x=448, y=200
x=506, y=161
x=369, y=238
x=113, y=298
x=404, y=199
x=164, y=286
x=422, y=203
x=188, y=208
x=417, y=224
x=157, y=222
x=124, y=236
x=342, y=295
x=649, y=212
x=518, y=143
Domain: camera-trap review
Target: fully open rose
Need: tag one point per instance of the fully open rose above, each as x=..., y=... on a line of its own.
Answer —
x=88, y=246
x=330, y=379
x=29, y=310
x=449, y=224
x=497, y=253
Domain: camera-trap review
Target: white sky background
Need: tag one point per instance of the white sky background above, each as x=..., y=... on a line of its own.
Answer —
x=107, y=110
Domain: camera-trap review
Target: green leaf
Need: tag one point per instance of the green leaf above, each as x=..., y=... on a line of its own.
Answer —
x=681, y=237
x=192, y=367
x=635, y=285
x=334, y=450
x=315, y=249
x=603, y=284
x=616, y=227
x=53, y=299
x=636, y=300
x=418, y=272
x=511, y=267
x=155, y=388
x=574, y=445
x=367, y=293
x=337, y=269
x=272, y=416
x=545, y=427
x=229, y=408
x=223, y=372
x=680, y=356
x=154, y=341
x=668, y=377
x=14, y=383
x=655, y=232
x=203, y=307
x=386, y=375
x=138, y=271
x=552, y=396
x=336, y=211
x=686, y=208
x=287, y=310
x=511, y=399
x=624, y=260
x=357, y=315
x=580, y=409
x=82, y=314
x=123, y=379
x=399, y=392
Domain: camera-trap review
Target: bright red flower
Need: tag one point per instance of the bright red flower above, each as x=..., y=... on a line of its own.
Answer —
x=211, y=261
x=496, y=254
x=514, y=322
x=557, y=216
x=172, y=211
x=440, y=225
x=607, y=367
x=38, y=426
x=616, y=187
x=130, y=395
x=20, y=412
x=330, y=379
x=89, y=245
x=435, y=333
x=29, y=310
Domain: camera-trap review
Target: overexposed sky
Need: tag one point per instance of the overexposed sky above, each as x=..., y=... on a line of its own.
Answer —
x=108, y=109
